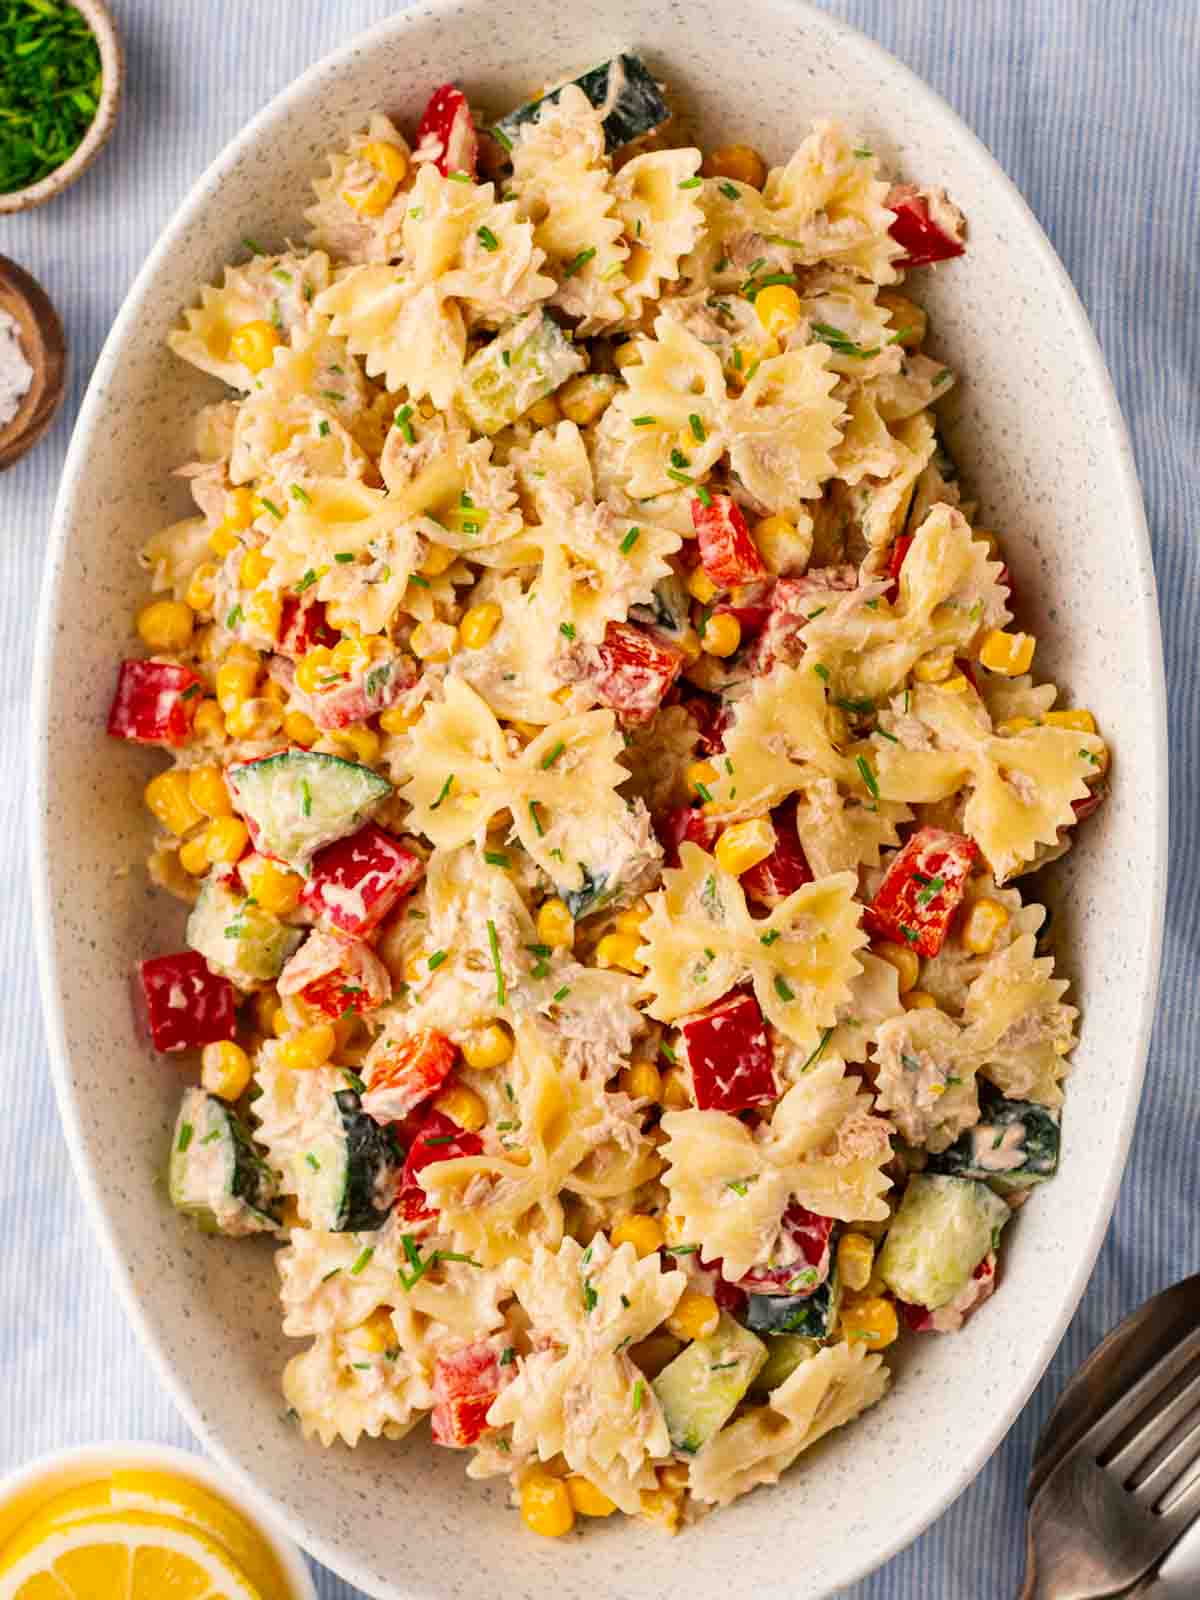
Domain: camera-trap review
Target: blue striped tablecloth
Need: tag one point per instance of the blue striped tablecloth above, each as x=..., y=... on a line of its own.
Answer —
x=1090, y=106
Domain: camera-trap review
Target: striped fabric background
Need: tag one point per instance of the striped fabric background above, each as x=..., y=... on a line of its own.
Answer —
x=1090, y=106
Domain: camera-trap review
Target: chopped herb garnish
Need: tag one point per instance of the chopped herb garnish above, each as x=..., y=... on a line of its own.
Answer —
x=333, y=394
x=300, y=494
x=822, y=671
x=505, y=143
x=703, y=496
x=644, y=422
x=507, y=1356
x=697, y=427
x=307, y=581
x=666, y=1051
x=630, y=539
x=552, y=755
x=363, y=1261
x=497, y=858
x=783, y=988
x=234, y=617
x=436, y=960
x=840, y=344
x=680, y=477
x=729, y=191
x=442, y=792
x=769, y=937
x=313, y=1162
x=722, y=1366
x=863, y=155
x=579, y=262
x=911, y=935
x=459, y=177
x=816, y=1055
x=323, y=428
x=305, y=798
x=739, y=1186
x=535, y=819
x=567, y=629
x=494, y=947
x=355, y=1082
x=868, y=776
x=639, y=1390
x=590, y=1297
x=421, y=583
x=402, y=422
x=691, y=183
x=185, y=1137
x=561, y=994
x=487, y=238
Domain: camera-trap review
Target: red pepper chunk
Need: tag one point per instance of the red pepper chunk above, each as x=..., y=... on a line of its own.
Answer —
x=334, y=975
x=727, y=552
x=438, y=1140
x=302, y=627
x=357, y=881
x=154, y=703
x=786, y=869
x=182, y=1005
x=730, y=1056
x=404, y=1073
x=370, y=690
x=921, y=890
x=465, y=1383
x=807, y=1245
x=632, y=670
x=447, y=133
x=923, y=241
x=685, y=824
x=900, y=549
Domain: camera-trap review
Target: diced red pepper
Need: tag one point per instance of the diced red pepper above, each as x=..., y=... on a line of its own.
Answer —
x=786, y=869
x=182, y=1005
x=154, y=703
x=334, y=975
x=729, y=1053
x=809, y=1248
x=403, y=1073
x=439, y=1140
x=356, y=882
x=727, y=552
x=303, y=627
x=900, y=549
x=794, y=603
x=369, y=691
x=686, y=824
x=728, y=1295
x=632, y=670
x=922, y=889
x=915, y=229
x=447, y=133
x=751, y=607
x=465, y=1383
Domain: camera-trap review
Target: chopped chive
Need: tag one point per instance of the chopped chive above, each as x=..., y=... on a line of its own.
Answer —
x=552, y=755
x=313, y=1162
x=680, y=477
x=185, y=1137
x=822, y=671
x=305, y=797
x=639, y=1389
x=363, y=1261
x=691, y=183
x=697, y=428
x=703, y=496
x=644, y=422
x=487, y=238
x=580, y=261
x=497, y=858
x=436, y=960
x=728, y=191
x=234, y=617
x=535, y=819
x=783, y=988
x=505, y=143
x=271, y=507
x=494, y=947
x=405, y=426
x=567, y=629
x=343, y=556
x=307, y=581
x=298, y=493
x=868, y=775
x=443, y=792
x=630, y=539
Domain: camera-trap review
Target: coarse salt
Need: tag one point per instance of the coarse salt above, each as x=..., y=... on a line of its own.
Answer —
x=16, y=374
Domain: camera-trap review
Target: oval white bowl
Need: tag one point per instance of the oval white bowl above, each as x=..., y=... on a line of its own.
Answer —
x=1037, y=432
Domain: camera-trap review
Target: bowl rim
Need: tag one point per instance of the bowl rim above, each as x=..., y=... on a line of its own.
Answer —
x=1152, y=910
x=76, y=1464
x=112, y=82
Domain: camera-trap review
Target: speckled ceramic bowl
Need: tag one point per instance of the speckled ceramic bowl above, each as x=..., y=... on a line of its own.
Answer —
x=1039, y=436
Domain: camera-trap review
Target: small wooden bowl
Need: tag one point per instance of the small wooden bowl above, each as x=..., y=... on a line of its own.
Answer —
x=45, y=349
x=112, y=75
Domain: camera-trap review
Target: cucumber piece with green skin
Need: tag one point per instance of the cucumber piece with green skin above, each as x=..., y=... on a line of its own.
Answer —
x=238, y=938
x=811, y=1315
x=1013, y=1146
x=623, y=88
x=942, y=1231
x=345, y=1180
x=785, y=1352
x=216, y=1176
x=523, y=364
x=700, y=1390
x=299, y=800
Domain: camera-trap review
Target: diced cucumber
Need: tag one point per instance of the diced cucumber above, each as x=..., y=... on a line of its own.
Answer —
x=623, y=88
x=942, y=1231
x=216, y=1176
x=1015, y=1145
x=525, y=362
x=670, y=609
x=300, y=800
x=811, y=1315
x=345, y=1181
x=238, y=938
x=785, y=1352
x=701, y=1388
x=591, y=894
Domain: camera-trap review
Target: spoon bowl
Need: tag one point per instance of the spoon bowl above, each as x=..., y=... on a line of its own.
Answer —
x=45, y=348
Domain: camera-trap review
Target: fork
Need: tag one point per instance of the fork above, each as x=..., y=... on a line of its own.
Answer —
x=1122, y=1495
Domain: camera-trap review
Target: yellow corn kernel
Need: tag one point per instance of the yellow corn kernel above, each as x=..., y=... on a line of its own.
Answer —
x=426, y=645
x=222, y=540
x=437, y=559
x=372, y=200
x=479, y=623
x=416, y=966
x=208, y=791
x=263, y=610
x=906, y=962
x=641, y=1081
x=193, y=857
x=778, y=309
x=587, y=1499
x=267, y=1006
x=167, y=797
x=301, y=729
x=722, y=635
x=374, y=1335
x=700, y=775
x=309, y=1047
x=312, y=667
x=272, y=690
x=631, y=920
x=956, y=683
x=983, y=923
x=584, y=398
x=281, y=1025
x=644, y=1233
x=676, y=1095
x=546, y=1505
x=364, y=742
x=387, y=159
x=224, y=1069
x=1010, y=654
x=208, y=723
x=487, y=1047
x=1011, y=726
x=544, y=413
x=226, y=839
x=870, y=1321
x=694, y=1317
x=253, y=344
x=240, y=508
x=906, y=317
x=200, y=587
x=782, y=545
x=254, y=719
x=393, y=720
x=253, y=569
x=464, y=1107
x=555, y=925
x=235, y=684
x=744, y=845
x=165, y=625
x=275, y=888
x=855, y=1258
x=918, y=1000
x=936, y=667
x=741, y=162
x=664, y=1506
x=619, y=950
x=701, y=587
x=348, y=654
x=1080, y=721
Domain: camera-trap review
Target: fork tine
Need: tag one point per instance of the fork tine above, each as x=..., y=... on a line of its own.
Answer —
x=1157, y=1428
x=1134, y=1401
x=1180, y=1515
x=1167, y=1472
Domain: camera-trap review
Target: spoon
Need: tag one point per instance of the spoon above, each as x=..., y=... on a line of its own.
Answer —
x=44, y=347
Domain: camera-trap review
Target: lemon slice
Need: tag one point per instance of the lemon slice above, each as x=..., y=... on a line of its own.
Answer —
x=172, y=1495
x=122, y=1555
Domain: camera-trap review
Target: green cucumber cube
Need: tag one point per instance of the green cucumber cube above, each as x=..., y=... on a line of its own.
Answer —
x=238, y=939
x=299, y=800
x=942, y=1231
x=527, y=361
x=700, y=1390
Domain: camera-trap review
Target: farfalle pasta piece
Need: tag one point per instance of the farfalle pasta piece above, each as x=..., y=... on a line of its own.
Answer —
x=578, y=1394
x=514, y=670
x=340, y=1390
x=278, y=290
x=844, y=313
x=700, y=941
x=879, y=506
x=1018, y=1026
x=676, y=379
x=350, y=231
x=312, y=379
x=656, y=200
x=407, y=333
x=448, y=486
x=926, y=1078
x=730, y=1186
x=841, y=833
x=784, y=427
x=828, y=1390
x=828, y=205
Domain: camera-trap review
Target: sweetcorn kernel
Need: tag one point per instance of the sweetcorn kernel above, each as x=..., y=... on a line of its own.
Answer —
x=783, y=546
x=641, y=1081
x=584, y=398
x=438, y=557
x=222, y=540
x=694, y=1317
x=984, y=923
x=350, y=653
x=387, y=159
x=722, y=635
x=701, y=587
x=362, y=741
x=1010, y=654
x=918, y=1000
x=546, y=1505
x=275, y=888
x=587, y=1499
x=209, y=723
x=375, y=1334
x=555, y=924
x=235, y=683
x=312, y=667
x=208, y=791
x=200, y=593
x=544, y=413
x=254, y=345
x=619, y=950
x=676, y=1095
x=700, y=775
x=935, y=667
x=1011, y=726
x=463, y=1106
x=226, y=839
x=240, y=508
x=301, y=729
x=744, y=845
x=778, y=309
x=905, y=960
x=1080, y=721
x=253, y=569
x=224, y=1069
x=168, y=798
x=643, y=1232
x=479, y=623
x=855, y=1258
x=193, y=857
x=906, y=317
x=267, y=1006
x=487, y=1047
x=309, y=1047
x=394, y=720
x=428, y=642
x=741, y=162
x=871, y=1321
x=165, y=625
x=254, y=719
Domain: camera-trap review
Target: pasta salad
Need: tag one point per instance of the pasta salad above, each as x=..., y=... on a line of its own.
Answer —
x=602, y=775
